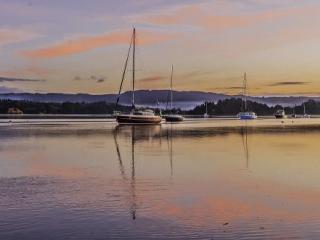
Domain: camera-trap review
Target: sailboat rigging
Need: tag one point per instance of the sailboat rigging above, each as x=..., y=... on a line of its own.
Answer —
x=136, y=116
x=172, y=117
x=246, y=115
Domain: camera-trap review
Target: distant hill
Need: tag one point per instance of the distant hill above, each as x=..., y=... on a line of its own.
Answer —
x=182, y=99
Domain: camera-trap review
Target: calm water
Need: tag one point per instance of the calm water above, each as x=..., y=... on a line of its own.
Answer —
x=96, y=181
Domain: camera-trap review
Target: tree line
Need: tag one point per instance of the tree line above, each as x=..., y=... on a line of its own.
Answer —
x=234, y=105
x=223, y=107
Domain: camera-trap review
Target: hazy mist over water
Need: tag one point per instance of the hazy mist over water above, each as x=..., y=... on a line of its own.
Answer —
x=99, y=181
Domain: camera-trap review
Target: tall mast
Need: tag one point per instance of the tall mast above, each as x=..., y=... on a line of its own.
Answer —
x=245, y=91
x=171, y=87
x=206, y=107
x=124, y=72
x=133, y=64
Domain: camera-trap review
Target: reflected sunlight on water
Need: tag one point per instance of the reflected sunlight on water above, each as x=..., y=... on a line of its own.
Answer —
x=95, y=180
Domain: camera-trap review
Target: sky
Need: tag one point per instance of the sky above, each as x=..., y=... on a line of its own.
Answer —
x=80, y=46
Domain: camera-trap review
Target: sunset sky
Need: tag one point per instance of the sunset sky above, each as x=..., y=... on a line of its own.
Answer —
x=80, y=45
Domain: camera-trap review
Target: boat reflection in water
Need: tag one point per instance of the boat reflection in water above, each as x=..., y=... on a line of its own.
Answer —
x=244, y=137
x=169, y=181
x=138, y=133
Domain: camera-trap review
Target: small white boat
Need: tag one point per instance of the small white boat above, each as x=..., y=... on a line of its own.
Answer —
x=280, y=114
x=247, y=115
x=206, y=115
x=294, y=115
x=305, y=115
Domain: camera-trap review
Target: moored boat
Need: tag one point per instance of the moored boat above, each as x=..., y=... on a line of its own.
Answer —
x=294, y=115
x=139, y=117
x=305, y=115
x=206, y=115
x=280, y=114
x=172, y=117
x=136, y=116
x=246, y=115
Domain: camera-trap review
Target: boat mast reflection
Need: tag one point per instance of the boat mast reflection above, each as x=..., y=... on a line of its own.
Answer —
x=138, y=134
x=169, y=141
x=121, y=166
x=132, y=183
x=133, y=179
x=244, y=136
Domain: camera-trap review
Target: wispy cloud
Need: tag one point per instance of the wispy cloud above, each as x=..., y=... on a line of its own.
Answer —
x=9, y=36
x=198, y=15
x=5, y=79
x=77, y=78
x=101, y=80
x=91, y=78
x=4, y=89
x=83, y=44
x=32, y=70
x=196, y=73
x=152, y=79
x=290, y=83
x=233, y=88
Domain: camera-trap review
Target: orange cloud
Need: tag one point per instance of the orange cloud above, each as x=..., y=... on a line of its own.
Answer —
x=83, y=44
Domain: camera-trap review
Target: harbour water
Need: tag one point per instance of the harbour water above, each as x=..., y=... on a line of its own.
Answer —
x=202, y=179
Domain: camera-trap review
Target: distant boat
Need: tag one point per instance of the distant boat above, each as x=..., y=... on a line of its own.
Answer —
x=246, y=115
x=305, y=115
x=280, y=114
x=206, y=115
x=136, y=116
x=14, y=111
x=172, y=117
x=294, y=115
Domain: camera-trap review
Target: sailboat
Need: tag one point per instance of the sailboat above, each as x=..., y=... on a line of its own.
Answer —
x=172, y=117
x=305, y=115
x=136, y=116
x=280, y=114
x=294, y=115
x=206, y=115
x=246, y=115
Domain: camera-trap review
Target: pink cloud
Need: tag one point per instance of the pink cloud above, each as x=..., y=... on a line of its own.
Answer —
x=32, y=70
x=178, y=16
x=8, y=36
x=83, y=44
x=196, y=15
